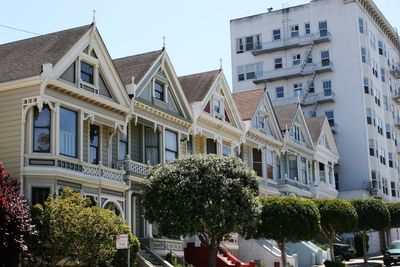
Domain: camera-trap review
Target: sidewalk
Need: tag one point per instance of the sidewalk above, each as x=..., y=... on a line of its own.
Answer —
x=373, y=260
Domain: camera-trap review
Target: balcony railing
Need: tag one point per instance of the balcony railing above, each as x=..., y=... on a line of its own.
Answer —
x=292, y=42
x=290, y=182
x=294, y=71
x=267, y=183
x=74, y=165
x=132, y=167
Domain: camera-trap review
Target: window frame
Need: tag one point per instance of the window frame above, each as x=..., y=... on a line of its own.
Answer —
x=323, y=32
x=92, y=75
x=277, y=64
x=97, y=148
x=124, y=142
x=307, y=30
x=294, y=30
x=34, y=127
x=278, y=93
x=328, y=88
x=325, y=60
x=176, y=152
x=274, y=35
x=163, y=94
x=76, y=132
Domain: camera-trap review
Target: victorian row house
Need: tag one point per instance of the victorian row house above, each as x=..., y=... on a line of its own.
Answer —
x=73, y=117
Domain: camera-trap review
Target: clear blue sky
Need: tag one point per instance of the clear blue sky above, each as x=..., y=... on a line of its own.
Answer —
x=197, y=31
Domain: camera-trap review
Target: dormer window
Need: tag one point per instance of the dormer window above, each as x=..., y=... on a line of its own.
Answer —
x=297, y=134
x=261, y=122
x=159, y=91
x=218, y=109
x=87, y=72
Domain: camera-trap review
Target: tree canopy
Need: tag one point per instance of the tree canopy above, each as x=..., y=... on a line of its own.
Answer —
x=337, y=217
x=205, y=195
x=287, y=219
x=394, y=211
x=15, y=219
x=69, y=227
x=373, y=214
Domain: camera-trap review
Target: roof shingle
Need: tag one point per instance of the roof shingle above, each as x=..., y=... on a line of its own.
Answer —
x=24, y=58
x=136, y=65
x=196, y=86
x=315, y=127
x=285, y=115
x=247, y=102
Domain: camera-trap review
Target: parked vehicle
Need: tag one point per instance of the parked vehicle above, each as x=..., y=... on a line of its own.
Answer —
x=344, y=251
x=392, y=254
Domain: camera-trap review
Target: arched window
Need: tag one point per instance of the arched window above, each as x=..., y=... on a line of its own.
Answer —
x=41, y=130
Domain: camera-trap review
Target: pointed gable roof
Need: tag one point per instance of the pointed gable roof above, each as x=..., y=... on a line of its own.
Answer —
x=23, y=59
x=315, y=125
x=247, y=102
x=285, y=115
x=196, y=86
x=136, y=65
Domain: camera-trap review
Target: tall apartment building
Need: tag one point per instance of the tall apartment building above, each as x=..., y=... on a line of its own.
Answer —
x=337, y=58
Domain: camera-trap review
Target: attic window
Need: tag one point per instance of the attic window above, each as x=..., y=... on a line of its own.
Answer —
x=218, y=108
x=87, y=72
x=261, y=122
x=159, y=91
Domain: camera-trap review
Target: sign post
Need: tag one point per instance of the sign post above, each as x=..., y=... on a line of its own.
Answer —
x=122, y=242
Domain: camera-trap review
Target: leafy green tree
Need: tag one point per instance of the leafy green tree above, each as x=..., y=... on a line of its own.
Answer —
x=205, y=195
x=288, y=219
x=337, y=217
x=15, y=220
x=394, y=211
x=69, y=227
x=373, y=214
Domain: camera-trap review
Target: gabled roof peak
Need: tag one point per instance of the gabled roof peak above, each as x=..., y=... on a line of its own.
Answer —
x=197, y=85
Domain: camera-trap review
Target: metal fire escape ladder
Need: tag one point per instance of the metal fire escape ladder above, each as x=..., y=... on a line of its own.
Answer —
x=310, y=82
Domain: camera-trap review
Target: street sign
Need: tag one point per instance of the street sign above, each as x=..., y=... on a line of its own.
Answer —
x=122, y=241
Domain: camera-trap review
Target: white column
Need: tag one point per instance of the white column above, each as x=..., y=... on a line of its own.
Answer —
x=316, y=170
x=326, y=173
x=133, y=225
x=128, y=210
x=263, y=163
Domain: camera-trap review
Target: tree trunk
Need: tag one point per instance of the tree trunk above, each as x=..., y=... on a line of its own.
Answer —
x=364, y=241
x=212, y=255
x=330, y=241
x=281, y=245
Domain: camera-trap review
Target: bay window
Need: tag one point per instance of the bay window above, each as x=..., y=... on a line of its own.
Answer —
x=171, y=146
x=122, y=146
x=152, y=146
x=68, y=132
x=94, y=144
x=257, y=161
x=41, y=130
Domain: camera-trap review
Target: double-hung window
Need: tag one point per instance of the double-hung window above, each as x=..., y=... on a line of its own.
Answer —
x=239, y=45
x=363, y=55
x=298, y=89
x=297, y=133
x=152, y=146
x=68, y=132
x=293, y=167
x=371, y=143
x=383, y=75
x=366, y=85
x=94, y=144
x=325, y=61
x=41, y=129
x=369, y=116
x=270, y=163
x=159, y=91
x=226, y=148
x=296, y=59
x=276, y=34
x=307, y=28
x=361, y=25
x=257, y=161
x=240, y=73
x=171, y=146
x=87, y=72
x=330, y=116
x=323, y=28
x=280, y=92
x=327, y=86
x=278, y=63
x=390, y=160
x=380, y=48
x=211, y=146
x=294, y=31
x=122, y=146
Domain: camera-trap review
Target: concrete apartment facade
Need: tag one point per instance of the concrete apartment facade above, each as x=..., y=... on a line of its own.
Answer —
x=337, y=58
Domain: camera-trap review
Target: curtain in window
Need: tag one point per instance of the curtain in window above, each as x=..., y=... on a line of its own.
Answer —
x=293, y=167
x=68, y=132
x=41, y=129
x=151, y=146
